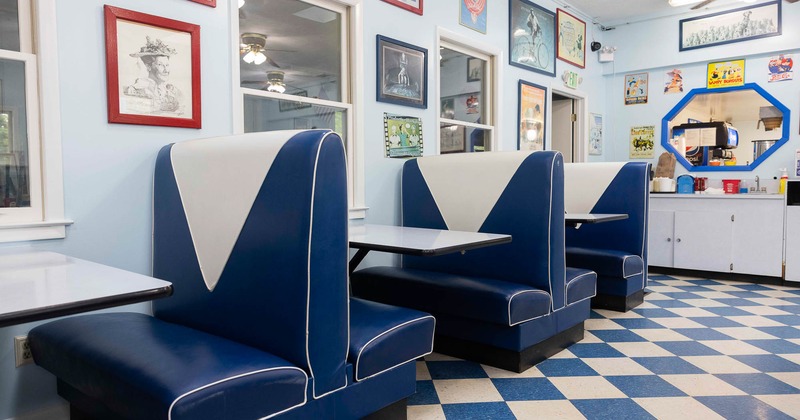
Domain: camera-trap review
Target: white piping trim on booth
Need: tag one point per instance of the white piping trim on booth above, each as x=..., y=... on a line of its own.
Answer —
x=358, y=358
x=305, y=393
x=511, y=324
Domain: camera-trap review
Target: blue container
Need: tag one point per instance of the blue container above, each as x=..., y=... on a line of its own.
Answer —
x=685, y=184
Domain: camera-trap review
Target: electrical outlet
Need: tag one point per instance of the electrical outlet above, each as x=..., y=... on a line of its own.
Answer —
x=22, y=350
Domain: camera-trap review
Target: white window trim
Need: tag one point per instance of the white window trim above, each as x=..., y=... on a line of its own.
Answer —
x=355, y=140
x=495, y=59
x=52, y=224
x=581, y=124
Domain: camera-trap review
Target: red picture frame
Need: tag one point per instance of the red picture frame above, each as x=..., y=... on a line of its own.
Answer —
x=570, y=39
x=152, y=70
x=212, y=3
x=405, y=5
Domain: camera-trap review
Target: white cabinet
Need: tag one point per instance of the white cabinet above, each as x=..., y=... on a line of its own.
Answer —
x=730, y=233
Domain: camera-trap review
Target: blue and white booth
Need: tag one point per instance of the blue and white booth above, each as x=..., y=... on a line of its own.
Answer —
x=509, y=305
x=616, y=250
x=252, y=232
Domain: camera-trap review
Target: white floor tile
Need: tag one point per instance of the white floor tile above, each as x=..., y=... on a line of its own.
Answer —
x=719, y=364
x=764, y=310
x=733, y=347
x=702, y=385
x=660, y=334
x=564, y=354
x=454, y=391
x=589, y=338
x=677, y=408
x=425, y=412
x=494, y=372
x=776, y=293
x=640, y=349
x=616, y=366
x=601, y=324
x=534, y=410
x=665, y=289
x=725, y=287
x=617, y=315
x=768, y=301
x=789, y=404
x=791, y=378
x=677, y=322
x=422, y=372
x=755, y=321
x=745, y=333
x=691, y=312
x=586, y=387
x=704, y=303
x=716, y=294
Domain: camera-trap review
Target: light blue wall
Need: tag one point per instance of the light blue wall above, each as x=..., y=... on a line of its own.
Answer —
x=652, y=46
x=108, y=167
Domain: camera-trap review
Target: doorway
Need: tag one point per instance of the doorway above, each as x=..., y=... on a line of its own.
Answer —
x=567, y=126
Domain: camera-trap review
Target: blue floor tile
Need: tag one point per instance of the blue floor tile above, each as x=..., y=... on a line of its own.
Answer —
x=594, y=350
x=729, y=311
x=750, y=286
x=781, y=332
x=660, y=277
x=785, y=319
x=768, y=363
x=702, y=334
x=796, y=300
x=745, y=294
x=611, y=409
x=737, y=302
x=715, y=322
x=426, y=394
x=595, y=315
x=742, y=407
x=791, y=308
x=469, y=411
x=667, y=365
x=644, y=386
x=617, y=336
x=637, y=323
x=456, y=370
x=656, y=313
x=694, y=288
x=758, y=383
x=706, y=282
x=671, y=303
x=527, y=389
x=565, y=367
x=776, y=346
x=687, y=348
x=682, y=295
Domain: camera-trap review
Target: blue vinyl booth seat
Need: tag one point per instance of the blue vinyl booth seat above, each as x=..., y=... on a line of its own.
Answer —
x=252, y=232
x=509, y=305
x=616, y=250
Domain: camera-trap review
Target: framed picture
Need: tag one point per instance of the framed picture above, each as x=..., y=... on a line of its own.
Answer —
x=595, y=134
x=402, y=135
x=673, y=83
x=452, y=139
x=571, y=39
x=636, y=88
x=410, y=5
x=780, y=68
x=531, y=116
x=474, y=69
x=531, y=37
x=742, y=24
x=289, y=105
x=473, y=14
x=463, y=107
x=725, y=74
x=212, y=3
x=642, y=142
x=402, y=73
x=152, y=69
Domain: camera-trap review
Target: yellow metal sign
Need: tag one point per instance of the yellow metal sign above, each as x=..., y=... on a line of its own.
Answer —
x=725, y=74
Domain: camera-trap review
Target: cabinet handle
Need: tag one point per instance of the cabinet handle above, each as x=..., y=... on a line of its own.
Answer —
x=678, y=240
x=669, y=239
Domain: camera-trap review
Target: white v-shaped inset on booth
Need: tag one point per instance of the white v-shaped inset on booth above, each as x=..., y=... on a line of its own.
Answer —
x=467, y=186
x=218, y=181
x=584, y=184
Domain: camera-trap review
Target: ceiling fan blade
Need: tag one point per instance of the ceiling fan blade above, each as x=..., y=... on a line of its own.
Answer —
x=702, y=4
x=792, y=1
x=272, y=62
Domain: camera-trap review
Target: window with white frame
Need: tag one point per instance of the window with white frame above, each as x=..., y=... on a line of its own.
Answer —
x=294, y=67
x=466, y=120
x=31, y=206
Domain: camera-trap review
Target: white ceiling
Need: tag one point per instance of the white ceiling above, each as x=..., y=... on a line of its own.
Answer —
x=614, y=12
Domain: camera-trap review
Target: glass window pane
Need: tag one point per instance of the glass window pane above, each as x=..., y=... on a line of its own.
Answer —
x=289, y=46
x=9, y=25
x=454, y=138
x=14, y=188
x=267, y=114
x=462, y=86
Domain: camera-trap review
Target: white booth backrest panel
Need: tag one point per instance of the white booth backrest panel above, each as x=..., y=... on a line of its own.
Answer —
x=467, y=186
x=585, y=183
x=218, y=181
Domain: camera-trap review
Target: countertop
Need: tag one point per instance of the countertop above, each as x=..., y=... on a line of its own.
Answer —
x=747, y=196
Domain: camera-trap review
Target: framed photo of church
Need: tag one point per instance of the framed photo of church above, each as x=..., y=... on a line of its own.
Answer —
x=402, y=73
x=152, y=69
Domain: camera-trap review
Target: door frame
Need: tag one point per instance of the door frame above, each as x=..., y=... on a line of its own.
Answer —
x=580, y=139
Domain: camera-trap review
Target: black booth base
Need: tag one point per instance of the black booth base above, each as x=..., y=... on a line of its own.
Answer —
x=394, y=411
x=618, y=303
x=508, y=359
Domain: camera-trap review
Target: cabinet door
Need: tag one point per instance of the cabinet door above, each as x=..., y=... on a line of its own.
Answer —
x=660, y=238
x=758, y=238
x=703, y=240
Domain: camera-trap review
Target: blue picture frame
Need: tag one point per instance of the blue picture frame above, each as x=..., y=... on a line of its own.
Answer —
x=665, y=131
x=730, y=26
x=402, y=73
x=523, y=50
x=529, y=118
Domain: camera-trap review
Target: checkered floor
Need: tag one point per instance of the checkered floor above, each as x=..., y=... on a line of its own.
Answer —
x=696, y=348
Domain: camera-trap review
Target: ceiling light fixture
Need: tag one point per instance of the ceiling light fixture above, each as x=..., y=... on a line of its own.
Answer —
x=275, y=82
x=241, y=3
x=253, y=44
x=679, y=3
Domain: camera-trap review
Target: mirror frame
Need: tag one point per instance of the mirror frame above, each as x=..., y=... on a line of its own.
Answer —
x=699, y=91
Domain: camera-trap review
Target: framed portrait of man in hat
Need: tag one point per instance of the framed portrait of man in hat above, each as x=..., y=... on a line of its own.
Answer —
x=152, y=69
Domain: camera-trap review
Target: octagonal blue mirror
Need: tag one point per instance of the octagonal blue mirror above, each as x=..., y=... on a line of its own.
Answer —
x=725, y=129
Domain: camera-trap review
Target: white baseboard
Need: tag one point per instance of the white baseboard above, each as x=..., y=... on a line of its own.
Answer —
x=53, y=412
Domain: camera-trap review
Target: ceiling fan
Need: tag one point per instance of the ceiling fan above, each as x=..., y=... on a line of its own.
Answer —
x=707, y=2
x=254, y=47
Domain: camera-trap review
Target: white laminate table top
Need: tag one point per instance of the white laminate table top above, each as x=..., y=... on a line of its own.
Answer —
x=593, y=217
x=38, y=285
x=418, y=241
